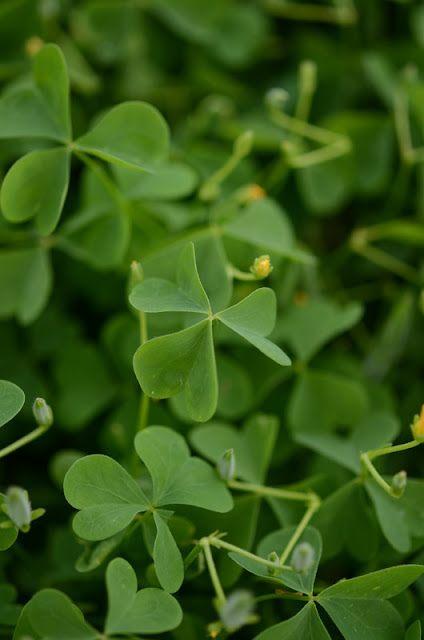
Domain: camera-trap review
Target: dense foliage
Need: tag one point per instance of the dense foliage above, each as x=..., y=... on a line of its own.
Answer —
x=211, y=303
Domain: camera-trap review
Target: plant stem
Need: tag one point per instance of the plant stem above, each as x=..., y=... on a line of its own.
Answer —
x=377, y=477
x=204, y=543
x=260, y=490
x=390, y=449
x=239, y=275
x=222, y=544
x=33, y=435
x=107, y=182
x=314, y=506
x=386, y=261
x=143, y=413
x=343, y=14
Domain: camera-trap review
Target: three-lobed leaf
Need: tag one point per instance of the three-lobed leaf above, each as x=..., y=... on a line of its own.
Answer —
x=106, y=494
x=12, y=399
x=132, y=134
x=131, y=611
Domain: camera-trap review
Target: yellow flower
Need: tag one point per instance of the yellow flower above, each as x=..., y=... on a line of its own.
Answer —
x=417, y=427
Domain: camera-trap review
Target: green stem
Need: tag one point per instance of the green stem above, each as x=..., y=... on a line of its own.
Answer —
x=313, y=507
x=343, y=15
x=143, y=413
x=260, y=490
x=104, y=178
x=403, y=133
x=33, y=435
x=304, y=129
x=338, y=148
x=222, y=544
x=377, y=477
x=239, y=275
x=204, y=542
x=389, y=449
x=210, y=188
x=289, y=596
x=383, y=259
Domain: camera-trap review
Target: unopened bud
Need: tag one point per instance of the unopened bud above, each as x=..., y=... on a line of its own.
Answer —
x=33, y=46
x=308, y=76
x=399, y=482
x=276, y=98
x=243, y=144
x=254, y=192
x=226, y=465
x=237, y=610
x=303, y=557
x=417, y=426
x=136, y=275
x=273, y=557
x=18, y=507
x=262, y=267
x=42, y=413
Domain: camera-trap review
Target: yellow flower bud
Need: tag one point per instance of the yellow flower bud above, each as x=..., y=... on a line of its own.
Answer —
x=261, y=268
x=417, y=427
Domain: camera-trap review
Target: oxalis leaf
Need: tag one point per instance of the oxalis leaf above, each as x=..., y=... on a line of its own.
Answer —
x=253, y=446
x=191, y=351
x=51, y=615
x=12, y=399
x=36, y=186
x=358, y=608
x=177, y=477
x=306, y=625
x=132, y=611
x=132, y=134
x=106, y=493
x=40, y=110
x=277, y=541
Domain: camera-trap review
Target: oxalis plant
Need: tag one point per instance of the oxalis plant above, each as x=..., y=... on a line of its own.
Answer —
x=211, y=392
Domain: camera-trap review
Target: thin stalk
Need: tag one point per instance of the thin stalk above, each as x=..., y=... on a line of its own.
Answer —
x=403, y=132
x=338, y=148
x=304, y=129
x=260, y=490
x=289, y=596
x=314, y=506
x=383, y=259
x=239, y=275
x=220, y=595
x=389, y=449
x=33, y=435
x=377, y=477
x=143, y=413
x=222, y=544
x=104, y=178
x=343, y=15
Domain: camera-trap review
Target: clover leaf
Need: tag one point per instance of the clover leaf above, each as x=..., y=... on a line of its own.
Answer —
x=191, y=350
x=109, y=498
x=51, y=614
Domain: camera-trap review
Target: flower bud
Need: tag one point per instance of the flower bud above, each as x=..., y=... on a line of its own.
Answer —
x=399, y=482
x=136, y=274
x=237, y=610
x=308, y=75
x=42, y=413
x=226, y=465
x=243, y=144
x=303, y=557
x=254, y=192
x=276, y=98
x=18, y=507
x=262, y=267
x=417, y=426
x=273, y=557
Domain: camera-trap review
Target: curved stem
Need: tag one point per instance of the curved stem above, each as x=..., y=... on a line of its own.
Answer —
x=33, y=435
x=220, y=595
x=222, y=544
x=273, y=492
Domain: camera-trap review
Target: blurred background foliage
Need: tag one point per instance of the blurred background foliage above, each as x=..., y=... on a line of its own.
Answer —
x=333, y=93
